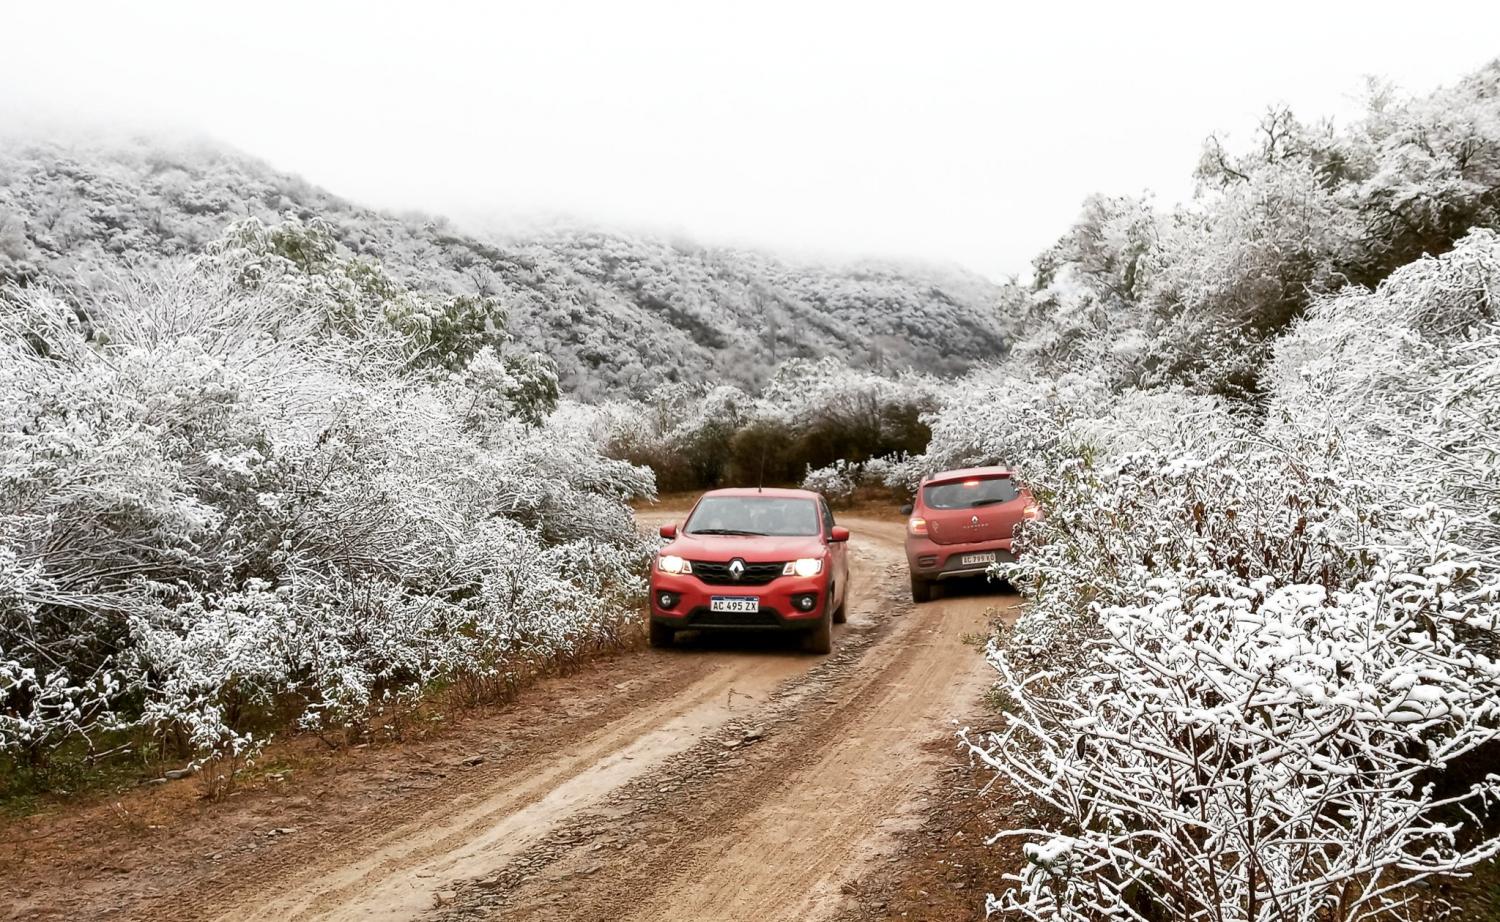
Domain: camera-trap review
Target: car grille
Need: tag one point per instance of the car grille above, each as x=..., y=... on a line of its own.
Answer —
x=704, y=618
x=716, y=573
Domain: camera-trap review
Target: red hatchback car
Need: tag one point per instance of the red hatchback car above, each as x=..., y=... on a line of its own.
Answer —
x=961, y=523
x=752, y=560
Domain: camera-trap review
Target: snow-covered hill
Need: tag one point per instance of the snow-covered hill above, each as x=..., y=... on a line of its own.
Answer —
x=619, y=312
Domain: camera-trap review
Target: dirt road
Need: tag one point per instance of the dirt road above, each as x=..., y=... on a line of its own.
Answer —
x=734, y=778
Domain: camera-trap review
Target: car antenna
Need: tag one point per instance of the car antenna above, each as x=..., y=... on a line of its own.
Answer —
x=760, y=481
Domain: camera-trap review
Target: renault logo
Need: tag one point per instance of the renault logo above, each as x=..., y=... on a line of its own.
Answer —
x=737, y=568
x=974, y=520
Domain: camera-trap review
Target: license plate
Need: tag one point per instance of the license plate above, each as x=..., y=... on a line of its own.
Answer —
x=734, y=603
x=973, y=560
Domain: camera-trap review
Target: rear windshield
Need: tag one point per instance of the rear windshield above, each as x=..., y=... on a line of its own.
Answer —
x=966, y=494
x=753, y=515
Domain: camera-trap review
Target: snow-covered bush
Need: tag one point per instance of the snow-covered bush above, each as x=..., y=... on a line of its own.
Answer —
x=838, y=481
x=1242, y=747
x=1408, y=376
x=272, y=478
x=810, y=415
x=1196, y=295
x=1258, y=664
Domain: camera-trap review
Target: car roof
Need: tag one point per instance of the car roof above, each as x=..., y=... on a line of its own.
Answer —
x=769, y=492
x=966, y=473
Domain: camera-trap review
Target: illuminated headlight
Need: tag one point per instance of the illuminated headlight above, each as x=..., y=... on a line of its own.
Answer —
x=670, y=563
x=806, y=566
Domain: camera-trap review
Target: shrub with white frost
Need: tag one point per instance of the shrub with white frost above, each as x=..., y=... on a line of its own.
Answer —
x=1258, y=717
x=273, y=481
x=1256, y=676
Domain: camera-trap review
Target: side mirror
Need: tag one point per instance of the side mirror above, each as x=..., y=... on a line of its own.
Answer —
x=906, y=509
x=669, y=531
x=838, y=533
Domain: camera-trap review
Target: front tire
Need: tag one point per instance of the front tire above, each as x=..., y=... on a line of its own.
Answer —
x=921, y=590
x=661, y=635
x=819, y=640
x=841, y=614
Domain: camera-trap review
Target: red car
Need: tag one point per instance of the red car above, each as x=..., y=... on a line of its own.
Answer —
x=961, y=523
x=766, y=560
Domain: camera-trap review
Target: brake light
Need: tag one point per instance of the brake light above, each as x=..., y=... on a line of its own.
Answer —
x=1032, y=511
x=917, y=525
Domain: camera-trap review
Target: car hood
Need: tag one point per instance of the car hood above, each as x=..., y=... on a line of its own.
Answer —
x=763, y=549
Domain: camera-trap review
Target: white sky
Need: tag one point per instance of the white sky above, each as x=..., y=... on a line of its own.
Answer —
x=966, y=132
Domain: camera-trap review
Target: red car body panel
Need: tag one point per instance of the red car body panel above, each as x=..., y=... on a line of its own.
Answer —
x=939, y=537
x=776, y=594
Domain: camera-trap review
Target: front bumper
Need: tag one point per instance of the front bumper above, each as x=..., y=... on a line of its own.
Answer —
x=777, y=609
x=932, y=561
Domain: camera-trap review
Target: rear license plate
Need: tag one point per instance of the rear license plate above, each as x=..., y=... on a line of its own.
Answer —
x=973, y=560
x=734, y=603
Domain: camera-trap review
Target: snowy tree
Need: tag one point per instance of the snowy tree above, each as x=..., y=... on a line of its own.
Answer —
x=227, y=491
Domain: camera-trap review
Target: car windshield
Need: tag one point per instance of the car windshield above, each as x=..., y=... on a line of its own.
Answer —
x=966, y=494
x=753, y=515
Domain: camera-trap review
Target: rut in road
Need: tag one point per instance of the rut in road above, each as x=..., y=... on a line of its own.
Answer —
x=400, y=877
x=663, y=810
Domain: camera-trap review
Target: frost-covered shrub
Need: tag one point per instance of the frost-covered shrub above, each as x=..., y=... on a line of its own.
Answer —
x=252, y=484
x=1002, y=416
x=1293, y=213
x=1408, y=377
x=1260, y=747
x=810, y=415
x=1256, y=673
x=838, y=481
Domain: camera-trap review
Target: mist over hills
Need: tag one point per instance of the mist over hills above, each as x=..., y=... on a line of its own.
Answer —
x=619, y=312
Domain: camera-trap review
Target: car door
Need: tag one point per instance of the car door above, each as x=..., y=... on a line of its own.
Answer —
x=838, y=551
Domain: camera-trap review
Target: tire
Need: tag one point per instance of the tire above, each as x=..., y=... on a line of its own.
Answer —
x=661, y=635
x=841, y=614
x=921, y=590
x=819, y=640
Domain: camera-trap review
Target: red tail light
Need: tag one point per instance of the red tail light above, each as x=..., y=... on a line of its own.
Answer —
x=917, y=525
x=1032, y=511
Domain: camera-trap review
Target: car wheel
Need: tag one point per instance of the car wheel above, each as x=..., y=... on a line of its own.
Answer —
x=820, y=639
x=921, y=590
x=661, y=635
x=840, y=615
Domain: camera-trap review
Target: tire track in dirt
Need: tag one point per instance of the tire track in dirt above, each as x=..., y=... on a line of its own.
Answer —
x=397, y=873
x=774, y=832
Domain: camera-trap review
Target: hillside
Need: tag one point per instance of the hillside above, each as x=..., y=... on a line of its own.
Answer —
x=619, y=313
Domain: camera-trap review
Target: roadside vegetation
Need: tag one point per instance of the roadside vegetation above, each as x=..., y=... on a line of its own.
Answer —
x=270, y=487
x=1257, y=677
x=811, y=416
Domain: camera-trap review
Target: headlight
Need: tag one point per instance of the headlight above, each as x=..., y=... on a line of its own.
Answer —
x=806, y=566
x=670, y=563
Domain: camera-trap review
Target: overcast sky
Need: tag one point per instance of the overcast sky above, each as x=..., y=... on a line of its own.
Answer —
x=966, y=132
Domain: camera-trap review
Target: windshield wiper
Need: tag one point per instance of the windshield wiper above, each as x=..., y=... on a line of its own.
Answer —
x=986, y=502
x=726, y=531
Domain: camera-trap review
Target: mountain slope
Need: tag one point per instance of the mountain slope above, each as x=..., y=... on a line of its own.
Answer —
x=619, y=313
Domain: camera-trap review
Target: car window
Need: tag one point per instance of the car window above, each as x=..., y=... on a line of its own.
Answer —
x=827, y=516
x=966, y=494
x=753, y=515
